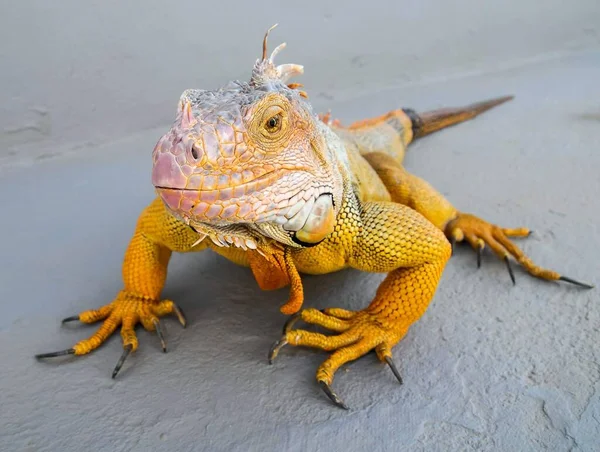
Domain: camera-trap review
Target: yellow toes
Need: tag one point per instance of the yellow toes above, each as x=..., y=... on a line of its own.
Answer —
x=516, y=232
x=95, y=315
x=128, y=333
x=315, y=317
x=383, y=351
x=126, y=310
x=474, y=241
x=329, y=367
x=316, y=340
x=163, y=308
x=107, y=328
x=343, y=314
x=360, y=332
x=479, y=233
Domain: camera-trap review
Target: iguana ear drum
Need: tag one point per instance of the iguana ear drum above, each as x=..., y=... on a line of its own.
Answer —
x=319, y=223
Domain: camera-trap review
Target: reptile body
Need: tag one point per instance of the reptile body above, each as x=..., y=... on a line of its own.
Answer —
x=251, y=173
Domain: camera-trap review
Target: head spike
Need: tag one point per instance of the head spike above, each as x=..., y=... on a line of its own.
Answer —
x=264, y=54
x=265, y=71
x=287, y=71
x=277, y=49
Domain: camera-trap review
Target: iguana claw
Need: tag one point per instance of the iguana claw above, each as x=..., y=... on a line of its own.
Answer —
x=160, y=334
x=274, y=351
x=390, y=362
x=577, y=283
x=332, y=395
x=70, y=319
x=126, y=351
x=278, y=345
x=510, y=271
x=69, y=351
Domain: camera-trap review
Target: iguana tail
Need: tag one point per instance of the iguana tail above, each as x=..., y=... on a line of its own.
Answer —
x=431, y=121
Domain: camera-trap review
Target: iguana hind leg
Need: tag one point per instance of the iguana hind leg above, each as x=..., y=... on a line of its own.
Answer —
x=410, y=190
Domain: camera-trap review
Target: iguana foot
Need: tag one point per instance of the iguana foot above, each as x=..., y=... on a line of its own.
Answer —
x=480, y=233
x=126, y=310
x=360, y=332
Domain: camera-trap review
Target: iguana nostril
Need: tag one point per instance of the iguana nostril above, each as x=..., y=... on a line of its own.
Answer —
x=195, y=152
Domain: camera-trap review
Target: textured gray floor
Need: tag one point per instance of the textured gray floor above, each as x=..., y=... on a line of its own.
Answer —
x=489, y=367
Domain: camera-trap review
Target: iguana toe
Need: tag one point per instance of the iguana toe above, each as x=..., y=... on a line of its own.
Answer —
x=127, y=310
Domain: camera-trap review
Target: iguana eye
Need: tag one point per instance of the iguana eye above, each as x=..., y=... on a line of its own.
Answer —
x=273, y=124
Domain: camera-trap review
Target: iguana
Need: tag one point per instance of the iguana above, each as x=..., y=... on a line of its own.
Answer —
x=252, y=173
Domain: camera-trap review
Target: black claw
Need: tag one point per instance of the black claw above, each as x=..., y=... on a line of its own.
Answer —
x=160, y=335
x=69, y=351
x=275, y=349
x=70, y=319
x=333, y=396
x=390, y=361
x=126, y=352
x=479, y=252
x=291, y=321
x=530, y=232
x=577, y=283
x=510, y=270
x=452, y=245
x=180, y=315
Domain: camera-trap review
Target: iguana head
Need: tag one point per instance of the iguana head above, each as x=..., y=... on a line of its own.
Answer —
x=250, y=160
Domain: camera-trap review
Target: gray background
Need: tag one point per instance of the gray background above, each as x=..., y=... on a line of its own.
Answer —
x=86, y=89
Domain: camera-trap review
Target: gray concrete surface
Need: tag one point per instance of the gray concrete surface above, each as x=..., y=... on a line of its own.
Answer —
x=86, y=72
x=489, y=367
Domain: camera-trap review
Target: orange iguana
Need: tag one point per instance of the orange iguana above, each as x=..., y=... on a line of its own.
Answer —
x=252, y=173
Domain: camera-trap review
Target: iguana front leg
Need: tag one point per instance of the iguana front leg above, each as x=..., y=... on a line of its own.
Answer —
x=157, y=234
x=392, y=238
x=416, y=193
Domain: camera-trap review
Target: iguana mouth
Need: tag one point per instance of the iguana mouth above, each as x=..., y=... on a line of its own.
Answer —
x=306, y=223
x=242, y=204
x=170, y=173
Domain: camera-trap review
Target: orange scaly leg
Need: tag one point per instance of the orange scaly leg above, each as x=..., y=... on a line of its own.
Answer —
x=144, y=274
x=413, y=191
x=393, y=239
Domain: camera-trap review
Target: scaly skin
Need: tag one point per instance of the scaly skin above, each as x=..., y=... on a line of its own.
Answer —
x=251, y=173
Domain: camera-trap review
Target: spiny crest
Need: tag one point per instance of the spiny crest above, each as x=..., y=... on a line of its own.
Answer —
x=265, y=71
